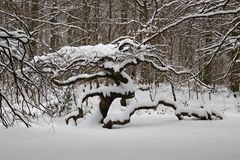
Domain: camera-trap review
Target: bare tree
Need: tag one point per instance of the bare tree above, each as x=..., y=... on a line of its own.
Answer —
x=199, y=36
x=15, y=83
x=113, y=66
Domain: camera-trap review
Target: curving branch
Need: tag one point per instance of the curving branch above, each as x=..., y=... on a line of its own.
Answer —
x=15, y=112
x=13, y=66
x=202, y=114
x=124, y=118
x=189, y=17
x=81, y=77
x=74, y=115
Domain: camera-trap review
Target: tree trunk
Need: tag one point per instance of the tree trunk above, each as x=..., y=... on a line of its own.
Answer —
x=104, y=106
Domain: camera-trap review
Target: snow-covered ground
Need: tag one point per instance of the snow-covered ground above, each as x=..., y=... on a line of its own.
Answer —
x=149, y=135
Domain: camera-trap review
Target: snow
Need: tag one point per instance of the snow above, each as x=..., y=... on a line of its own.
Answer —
x=150, y=137
x=147, y=136
x=3, y=45
x=70, y=53
x=130, y=109
x=107, y=90
x=69, y=56
x=127, y=41
x=116, y=66
x=201, y=112
x=99, y=50
x=19, y=34
x=89, y=54
x=78, y=77
x=191, y=16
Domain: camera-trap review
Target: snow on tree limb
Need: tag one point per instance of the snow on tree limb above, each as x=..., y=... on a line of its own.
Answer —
x=15, y=67
x=118, y=66
x=123, y=89
x=180, y=112
x=217, y=48
x=200, y=113
x=192, y=36
x=124, y=118
x=74, y=79
x=18, y=35
x=112, y=65
x=193, y=16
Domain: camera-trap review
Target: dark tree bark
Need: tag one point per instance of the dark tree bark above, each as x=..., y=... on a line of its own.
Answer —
x=104, y=105
x=75, y=117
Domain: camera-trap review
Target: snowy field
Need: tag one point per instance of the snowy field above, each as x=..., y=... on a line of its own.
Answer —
x=150, y=135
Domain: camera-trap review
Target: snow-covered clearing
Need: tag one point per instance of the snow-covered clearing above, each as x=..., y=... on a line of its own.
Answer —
x=147, y=136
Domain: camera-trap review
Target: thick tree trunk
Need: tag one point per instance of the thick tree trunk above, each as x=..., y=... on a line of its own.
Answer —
x=104, y=106
x=123, y=102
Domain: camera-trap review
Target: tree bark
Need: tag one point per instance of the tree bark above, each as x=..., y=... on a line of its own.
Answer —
x=104, y=106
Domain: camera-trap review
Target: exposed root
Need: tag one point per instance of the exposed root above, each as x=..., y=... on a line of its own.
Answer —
x=74, y=115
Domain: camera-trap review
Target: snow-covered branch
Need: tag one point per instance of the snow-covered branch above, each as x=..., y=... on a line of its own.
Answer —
x=193, y=16
x=180, y=112
x=201, y=113
x=81, y=77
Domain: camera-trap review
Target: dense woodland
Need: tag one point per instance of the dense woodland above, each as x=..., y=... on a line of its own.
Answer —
x=202, y=36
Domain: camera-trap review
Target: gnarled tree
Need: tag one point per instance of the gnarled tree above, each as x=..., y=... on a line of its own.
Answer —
x=83, y=64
